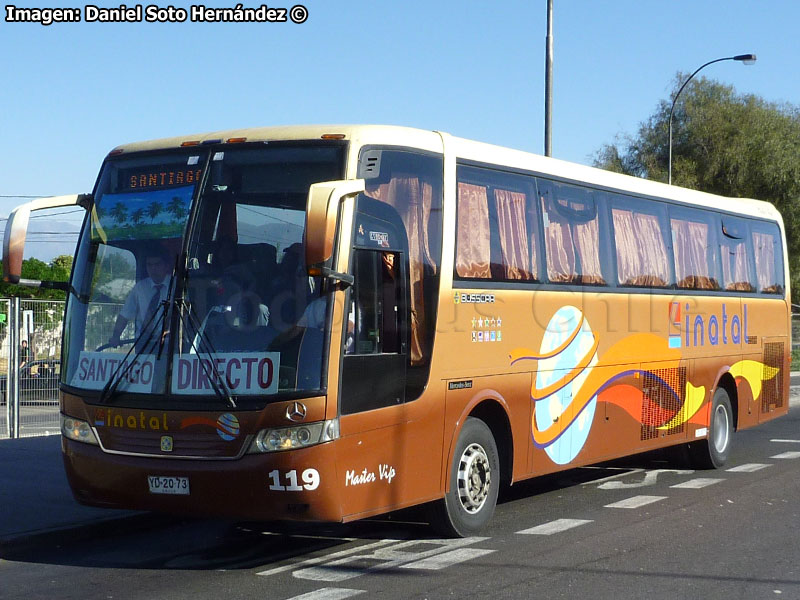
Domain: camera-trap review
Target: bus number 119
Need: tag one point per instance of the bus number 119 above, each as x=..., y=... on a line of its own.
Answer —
x=310, y=481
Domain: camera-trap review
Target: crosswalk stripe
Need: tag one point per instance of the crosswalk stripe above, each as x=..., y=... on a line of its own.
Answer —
x=697, y=483
x=556, y=526
x=328, y=594
x=381, y=559
x=315, y=561
x=635, y=502
x=748, y=468
x=441, y=561
x=787, y=455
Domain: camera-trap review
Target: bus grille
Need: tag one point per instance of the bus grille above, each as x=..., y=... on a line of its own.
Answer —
x=772, y=390
x=184, y=444
x=661, y=402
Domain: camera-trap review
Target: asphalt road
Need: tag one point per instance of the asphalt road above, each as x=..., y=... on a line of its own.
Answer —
x=646, y=526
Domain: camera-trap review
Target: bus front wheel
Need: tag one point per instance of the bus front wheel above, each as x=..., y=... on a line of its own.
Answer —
x=712, y=453
x=474, y=483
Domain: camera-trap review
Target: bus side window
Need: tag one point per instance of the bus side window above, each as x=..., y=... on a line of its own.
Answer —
x=737, y=262
x=768, y=257
x=374, y=316
x=571, y=234
x=695, y=247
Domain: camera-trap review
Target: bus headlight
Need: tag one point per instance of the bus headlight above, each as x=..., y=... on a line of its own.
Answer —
x=290, y=438
x=77, y=430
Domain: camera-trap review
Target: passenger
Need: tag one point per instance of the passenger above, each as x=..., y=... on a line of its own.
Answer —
x=228, y=267
x=240, y=325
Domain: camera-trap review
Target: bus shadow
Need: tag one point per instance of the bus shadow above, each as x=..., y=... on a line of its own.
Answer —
x=161, y=542
x=158, y=542
x=675, y=457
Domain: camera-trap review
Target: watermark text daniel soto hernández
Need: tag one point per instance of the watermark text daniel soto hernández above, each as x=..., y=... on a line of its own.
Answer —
x=154, y=13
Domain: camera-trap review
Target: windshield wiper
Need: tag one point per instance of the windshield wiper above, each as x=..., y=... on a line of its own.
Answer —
x=125, y=365
x=217, y=384
x=140, y=346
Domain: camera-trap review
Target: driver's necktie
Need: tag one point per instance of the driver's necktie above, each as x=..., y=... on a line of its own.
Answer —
x=154, y=301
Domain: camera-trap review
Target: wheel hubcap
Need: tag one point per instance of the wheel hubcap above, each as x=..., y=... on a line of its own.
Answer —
x=721, y=429
x=474, y=478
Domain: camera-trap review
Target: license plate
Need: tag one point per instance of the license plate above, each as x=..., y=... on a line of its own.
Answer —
x=168, y=485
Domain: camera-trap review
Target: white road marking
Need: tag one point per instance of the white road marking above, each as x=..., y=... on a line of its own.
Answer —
x=556, y=526
x=636, y=502
x=779, y=441
x=696, y=484
x=328, y=594
x=787, y=455
x=441, y=561
x=383, y=558
x=321, y=559
x=650, y=478
x=625, y=471
x=748, y=468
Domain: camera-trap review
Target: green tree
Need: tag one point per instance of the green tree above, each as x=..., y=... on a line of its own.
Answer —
x=60, y=267
x=32, y=268
x=725, y=143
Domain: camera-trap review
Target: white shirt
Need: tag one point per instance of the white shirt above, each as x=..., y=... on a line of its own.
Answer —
x=137, y=302
x=314, y=314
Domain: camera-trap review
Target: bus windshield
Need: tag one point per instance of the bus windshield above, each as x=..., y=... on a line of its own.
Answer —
x=190, y=284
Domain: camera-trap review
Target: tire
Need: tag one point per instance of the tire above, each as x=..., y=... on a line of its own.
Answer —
x=712, y=453
x=474, y=483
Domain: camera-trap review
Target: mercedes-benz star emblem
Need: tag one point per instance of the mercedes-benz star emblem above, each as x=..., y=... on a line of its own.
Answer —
x=296, y=412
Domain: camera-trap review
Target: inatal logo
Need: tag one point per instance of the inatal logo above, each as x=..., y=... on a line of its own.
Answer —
x=692, y=330
x=675, y=325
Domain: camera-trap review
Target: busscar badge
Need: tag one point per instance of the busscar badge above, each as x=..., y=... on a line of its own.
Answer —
x=167, y=443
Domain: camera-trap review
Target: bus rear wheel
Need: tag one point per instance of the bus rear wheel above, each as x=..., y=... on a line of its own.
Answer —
x=712, y=453
x=474, y=483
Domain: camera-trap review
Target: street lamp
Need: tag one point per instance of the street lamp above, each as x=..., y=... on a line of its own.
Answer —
x=747, y=59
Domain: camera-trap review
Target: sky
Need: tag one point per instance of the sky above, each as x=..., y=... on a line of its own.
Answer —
x=73, y=91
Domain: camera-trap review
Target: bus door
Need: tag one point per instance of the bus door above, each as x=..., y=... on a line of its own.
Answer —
x=376, y=449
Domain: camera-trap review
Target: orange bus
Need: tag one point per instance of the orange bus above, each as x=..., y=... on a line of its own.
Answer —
x=329, y=323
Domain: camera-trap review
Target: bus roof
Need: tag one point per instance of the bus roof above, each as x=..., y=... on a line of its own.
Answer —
x=472, y=151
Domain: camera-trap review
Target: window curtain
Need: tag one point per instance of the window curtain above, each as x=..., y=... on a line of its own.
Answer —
x=513, y=228
x=412, y=198
x=641, y=252
x=473, y=246
x=734, y=267
x=587, y=242
x=567, y=242
x=558, y=244
x=690, y=240
x=764, y=249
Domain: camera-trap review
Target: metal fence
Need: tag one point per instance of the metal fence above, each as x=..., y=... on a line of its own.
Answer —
x=795, y=329
x=30, y=351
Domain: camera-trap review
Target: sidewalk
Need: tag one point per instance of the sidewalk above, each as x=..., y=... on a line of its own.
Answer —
x=34, y=495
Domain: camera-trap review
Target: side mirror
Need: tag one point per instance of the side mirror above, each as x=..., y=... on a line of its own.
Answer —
x=321, y=212
x=17, y=232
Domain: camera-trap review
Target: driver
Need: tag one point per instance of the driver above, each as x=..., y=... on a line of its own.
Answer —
x=143, y=301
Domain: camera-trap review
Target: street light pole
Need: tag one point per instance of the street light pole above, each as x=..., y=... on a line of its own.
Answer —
x=747, y=59
x=548, y=83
